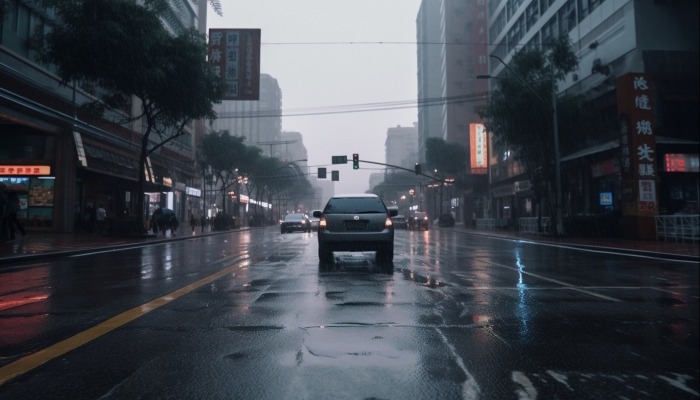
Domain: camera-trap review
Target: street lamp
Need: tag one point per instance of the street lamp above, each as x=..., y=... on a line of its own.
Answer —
x=558, y=203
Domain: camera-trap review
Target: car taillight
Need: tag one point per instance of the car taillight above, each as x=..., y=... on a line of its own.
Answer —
x=388, y=223
x=322, y=223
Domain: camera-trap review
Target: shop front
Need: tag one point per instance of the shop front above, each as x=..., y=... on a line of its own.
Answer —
x=35, y=189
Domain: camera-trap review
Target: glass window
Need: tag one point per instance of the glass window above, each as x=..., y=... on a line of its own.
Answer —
x=498, y=25
x=293, y=217
x=354, y=205
x=550, y=30
x=532, y=14
x=567, y=17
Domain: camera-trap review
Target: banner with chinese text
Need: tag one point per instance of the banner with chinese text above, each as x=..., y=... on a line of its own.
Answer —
x=637, y=144
x=478, y=148
x=235, y=56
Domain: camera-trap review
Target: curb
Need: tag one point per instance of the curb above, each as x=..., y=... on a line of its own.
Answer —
x=632, y=252
x=25, y=258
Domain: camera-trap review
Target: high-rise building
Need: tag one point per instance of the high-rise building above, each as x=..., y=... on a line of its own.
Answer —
x=291, y=148
x=429, y=40
x=259, y=121
x=375, y=179
x=401, y=146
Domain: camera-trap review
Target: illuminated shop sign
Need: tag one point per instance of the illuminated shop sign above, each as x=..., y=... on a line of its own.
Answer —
x=244, y=199
x=606, y=198
x=25, y=170
x=681, y=163
x=167, y=181
x=190, y=191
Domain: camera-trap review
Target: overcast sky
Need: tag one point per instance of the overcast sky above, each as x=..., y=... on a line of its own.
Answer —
x=330, y=75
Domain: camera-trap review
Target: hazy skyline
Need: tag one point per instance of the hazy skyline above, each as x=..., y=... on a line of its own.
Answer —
x=322, y=75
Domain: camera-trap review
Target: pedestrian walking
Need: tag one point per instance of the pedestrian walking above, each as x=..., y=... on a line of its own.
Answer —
x=100, y=215
x=11, y=216
x=193, y=222
x=4, y=211
x=204, y=222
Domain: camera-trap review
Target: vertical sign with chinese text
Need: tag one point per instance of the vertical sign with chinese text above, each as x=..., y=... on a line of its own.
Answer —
x=481, y=66
x=638, y=164
x=235, y=56
x=637, y=143
x=478, y=149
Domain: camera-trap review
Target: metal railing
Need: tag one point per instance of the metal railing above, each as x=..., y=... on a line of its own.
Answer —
x=529, y=225
x=488, y=224
x=678, y=227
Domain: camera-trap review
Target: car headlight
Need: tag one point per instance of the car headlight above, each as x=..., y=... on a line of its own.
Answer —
x=303, y=222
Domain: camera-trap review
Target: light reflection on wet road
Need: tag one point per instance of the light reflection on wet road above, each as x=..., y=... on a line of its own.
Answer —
x=455, y=316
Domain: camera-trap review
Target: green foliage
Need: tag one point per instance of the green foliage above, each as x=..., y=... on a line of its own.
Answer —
x=522, y=121
x=450, y=159
x=123, y=49
x=394, y=183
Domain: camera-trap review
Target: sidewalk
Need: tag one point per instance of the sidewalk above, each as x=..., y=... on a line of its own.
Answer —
x=685, y=250
x=42, y=245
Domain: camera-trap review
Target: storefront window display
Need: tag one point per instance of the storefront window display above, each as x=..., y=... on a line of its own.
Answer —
x=36, y=207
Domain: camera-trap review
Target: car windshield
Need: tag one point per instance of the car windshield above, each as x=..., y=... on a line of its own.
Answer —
x=293, y=217
x=419, y=215
x=355, y=205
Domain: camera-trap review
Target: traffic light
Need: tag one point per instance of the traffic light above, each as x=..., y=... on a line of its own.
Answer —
x=418, y=169
x=355, y=161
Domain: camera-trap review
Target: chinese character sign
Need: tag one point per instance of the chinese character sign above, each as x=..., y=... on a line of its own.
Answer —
x=478, y=148
x=235, y=56
x=10, y=170
x=638, y=154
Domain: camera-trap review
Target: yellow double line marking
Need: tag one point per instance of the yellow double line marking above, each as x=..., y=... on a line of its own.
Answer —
x=34, y=360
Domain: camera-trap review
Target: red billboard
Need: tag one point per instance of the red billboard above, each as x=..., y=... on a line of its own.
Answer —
x=235, y=55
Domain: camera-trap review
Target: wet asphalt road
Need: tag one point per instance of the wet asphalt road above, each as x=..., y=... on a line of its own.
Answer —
x=456, y=316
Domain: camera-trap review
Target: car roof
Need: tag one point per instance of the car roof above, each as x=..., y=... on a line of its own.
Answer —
x=340, y=196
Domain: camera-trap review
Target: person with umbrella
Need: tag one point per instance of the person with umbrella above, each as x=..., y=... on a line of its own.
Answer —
x=10, y=214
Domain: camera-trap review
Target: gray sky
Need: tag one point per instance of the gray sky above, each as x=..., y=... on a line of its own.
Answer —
x=330, y=75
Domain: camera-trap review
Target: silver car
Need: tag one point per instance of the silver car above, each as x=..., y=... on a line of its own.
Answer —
x=355, y=223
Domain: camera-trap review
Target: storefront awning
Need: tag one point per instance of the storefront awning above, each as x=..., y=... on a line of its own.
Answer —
x=616, y=143
x=592, y=150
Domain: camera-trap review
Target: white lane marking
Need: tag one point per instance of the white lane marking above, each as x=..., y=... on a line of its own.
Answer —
x=568, y=285
x=471, y=390
x=560, y=378
x=586, y=249
x=528, y=392
x=679, y=383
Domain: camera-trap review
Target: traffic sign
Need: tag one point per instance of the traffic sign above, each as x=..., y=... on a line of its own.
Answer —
x=321, y=173
x=335, y=175
x=339, y=159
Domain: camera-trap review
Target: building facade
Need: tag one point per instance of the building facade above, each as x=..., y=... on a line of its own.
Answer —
x=401, y=146
x=611, y=38
x=259, y=121
x=430, y=106
x=68, y=165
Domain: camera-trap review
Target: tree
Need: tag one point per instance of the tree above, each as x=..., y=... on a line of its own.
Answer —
x=450, y=159
x=226, y=155
x=123, y=49
x=521, y=121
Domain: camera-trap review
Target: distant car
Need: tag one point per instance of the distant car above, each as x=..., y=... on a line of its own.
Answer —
x=314, y=220
x=446, y=221
x=358, y=222
x=418, y=220
x=295, y=222
x=399, y=222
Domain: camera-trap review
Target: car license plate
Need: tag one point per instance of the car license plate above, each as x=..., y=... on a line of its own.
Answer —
x=356, y=225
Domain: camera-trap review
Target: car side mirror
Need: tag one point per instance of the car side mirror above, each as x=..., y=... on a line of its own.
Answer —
x=317, y=214
x=393, y=213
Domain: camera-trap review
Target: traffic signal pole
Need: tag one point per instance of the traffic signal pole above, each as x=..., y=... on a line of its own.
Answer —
x=401, y=168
